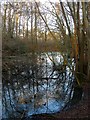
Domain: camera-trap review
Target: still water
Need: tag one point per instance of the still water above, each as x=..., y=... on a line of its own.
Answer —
x=39, y=83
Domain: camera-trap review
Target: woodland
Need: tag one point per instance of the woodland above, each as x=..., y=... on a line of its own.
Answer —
x=42, y=27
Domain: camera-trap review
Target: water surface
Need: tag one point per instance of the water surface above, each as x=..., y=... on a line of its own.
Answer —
x=35, y=85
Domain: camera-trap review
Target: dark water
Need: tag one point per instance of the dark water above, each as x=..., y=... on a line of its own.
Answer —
x=34, y=84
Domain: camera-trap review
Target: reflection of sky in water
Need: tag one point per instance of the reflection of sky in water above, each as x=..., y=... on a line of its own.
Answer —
x=37, y=88
x=0, y=100
x=0, y=108
x=53, y=106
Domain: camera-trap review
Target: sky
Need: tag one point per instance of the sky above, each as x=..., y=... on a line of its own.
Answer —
x=42, y=0
x=27, y=0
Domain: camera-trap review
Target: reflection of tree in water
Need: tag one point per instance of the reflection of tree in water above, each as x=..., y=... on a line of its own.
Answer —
x=32, y=87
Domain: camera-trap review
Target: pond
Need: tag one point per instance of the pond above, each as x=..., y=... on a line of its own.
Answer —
x=35, y=84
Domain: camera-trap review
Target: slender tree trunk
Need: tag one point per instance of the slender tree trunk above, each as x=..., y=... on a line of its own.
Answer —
x=45, y=30
x=35, y=23
x=9, y=21
x=89, y=52
x=84, y=58
x=88, y=12
x=65, y=18
x=31, y=22
x=78, y=25
x=27, y=29
x=23, y=30
x=27, y=26
x=19, y=25
x=16, y=20
x=44, y=21
x=4, y=27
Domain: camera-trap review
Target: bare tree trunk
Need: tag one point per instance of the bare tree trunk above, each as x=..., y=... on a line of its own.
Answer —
x=85, y=40
x=45, y=30
x=78, y=25
x=44, y=21
x=23, y=30
x=88, y=12
x=9, y=21
x=65, y=18
x=4, y=27
x=31, y=22
x=35, y=23
x=27, y=30
x=68, y=27
x=19, y=25
x=16, y=24
x=89, y=51
x=27, y=25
